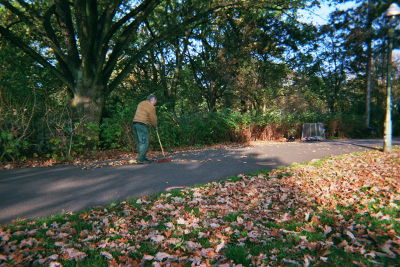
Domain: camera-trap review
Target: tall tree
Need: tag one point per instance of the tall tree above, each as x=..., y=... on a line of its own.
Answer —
x=261, y=46
x=211, y=69
x=362, y=40
x=82, y=41
x=331, y=66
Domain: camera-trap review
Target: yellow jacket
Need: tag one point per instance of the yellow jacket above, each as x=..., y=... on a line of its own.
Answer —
x=146, y=113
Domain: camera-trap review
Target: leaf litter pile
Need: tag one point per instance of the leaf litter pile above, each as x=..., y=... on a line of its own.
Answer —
x=341, y=211
x=93, y=159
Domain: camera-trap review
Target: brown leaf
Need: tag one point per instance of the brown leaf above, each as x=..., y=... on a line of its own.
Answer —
x=370, y=254
x=168, y=233
x=3, y=258
x=192, y=245
x=160, y=256
x=197, y=253
x=343, y=244
x=107, y=255
x=148, y=257
x=157, y=238
x=327, y=230
x=74, y=254
x=325, y=252
x=274, y=233
x=315, y=221
x=249, y=225
x=386, y=255
x=211, y=254
x=350, y=234
x=18, y=259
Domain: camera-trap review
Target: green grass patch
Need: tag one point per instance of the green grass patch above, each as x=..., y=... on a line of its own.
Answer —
x=238, y=255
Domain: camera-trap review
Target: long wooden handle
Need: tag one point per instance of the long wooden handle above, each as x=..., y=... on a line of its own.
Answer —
x=160, y=143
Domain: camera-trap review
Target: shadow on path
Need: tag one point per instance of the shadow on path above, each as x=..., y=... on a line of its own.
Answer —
x=33, y=193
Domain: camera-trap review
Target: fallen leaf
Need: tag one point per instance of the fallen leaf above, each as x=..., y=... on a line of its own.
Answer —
x=343, y=244
x=74, y=254
x=192, y=245
x=107, y=255
x=327, y=230
x=148, y=257
x=157, y=238
x=350, y=234
x=160, y=256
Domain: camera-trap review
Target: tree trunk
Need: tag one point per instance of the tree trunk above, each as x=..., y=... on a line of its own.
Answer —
x=87, y=104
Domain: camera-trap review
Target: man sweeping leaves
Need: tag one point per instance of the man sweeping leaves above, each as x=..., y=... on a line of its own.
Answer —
x=145, y=116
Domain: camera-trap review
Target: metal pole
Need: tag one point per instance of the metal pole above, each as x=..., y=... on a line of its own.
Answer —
x=388, y=122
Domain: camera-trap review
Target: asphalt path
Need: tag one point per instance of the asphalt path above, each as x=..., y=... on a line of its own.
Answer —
x=33, y=193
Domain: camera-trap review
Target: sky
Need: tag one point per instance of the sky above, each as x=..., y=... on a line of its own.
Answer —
x=320, y=16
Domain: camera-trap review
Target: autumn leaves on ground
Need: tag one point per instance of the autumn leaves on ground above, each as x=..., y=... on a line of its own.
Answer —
x=341, y=211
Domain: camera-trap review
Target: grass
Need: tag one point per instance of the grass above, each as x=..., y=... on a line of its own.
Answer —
x=300, y=215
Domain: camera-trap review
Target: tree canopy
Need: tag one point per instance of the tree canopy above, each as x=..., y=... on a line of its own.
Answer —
x=250, y=57
x=82, y=42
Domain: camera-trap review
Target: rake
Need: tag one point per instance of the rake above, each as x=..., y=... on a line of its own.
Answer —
x=164, y=159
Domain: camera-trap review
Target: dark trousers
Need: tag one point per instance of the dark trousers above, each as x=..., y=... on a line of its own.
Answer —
x=141, y=133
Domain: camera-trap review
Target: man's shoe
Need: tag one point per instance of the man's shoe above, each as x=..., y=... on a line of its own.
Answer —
x=144, y=162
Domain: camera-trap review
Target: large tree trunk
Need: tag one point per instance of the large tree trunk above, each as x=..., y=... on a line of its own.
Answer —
x=87, y=105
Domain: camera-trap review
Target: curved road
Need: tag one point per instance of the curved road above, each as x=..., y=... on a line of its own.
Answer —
x=32, y=193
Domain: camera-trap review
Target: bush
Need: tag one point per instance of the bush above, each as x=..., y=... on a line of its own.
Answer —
x=116, y=131
x=196, y=129
x=51, y=133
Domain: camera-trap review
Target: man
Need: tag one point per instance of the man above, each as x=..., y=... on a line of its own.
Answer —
x=145, y=116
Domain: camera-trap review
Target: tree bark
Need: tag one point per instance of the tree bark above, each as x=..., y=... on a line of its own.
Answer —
x=87, y=105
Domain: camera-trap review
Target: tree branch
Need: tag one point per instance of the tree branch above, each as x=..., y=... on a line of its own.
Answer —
x=17, y=42
x=64, y=15
x=34, y=27
x=127, y=35
x=51, y=34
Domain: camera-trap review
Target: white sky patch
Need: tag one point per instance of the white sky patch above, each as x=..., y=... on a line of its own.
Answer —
x=320, y=16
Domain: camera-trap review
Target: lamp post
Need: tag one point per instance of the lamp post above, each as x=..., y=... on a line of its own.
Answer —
x=391, y=15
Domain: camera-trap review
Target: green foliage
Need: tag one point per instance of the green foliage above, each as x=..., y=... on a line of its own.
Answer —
x=237, y=87
x=15, y=127
x=11, y=146
x=238, y=255
x=192, y=129
x=59, y=140
x=116, y=130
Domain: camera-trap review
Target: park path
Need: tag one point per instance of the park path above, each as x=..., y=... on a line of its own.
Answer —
x=32, y=193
